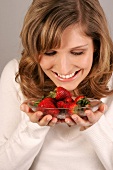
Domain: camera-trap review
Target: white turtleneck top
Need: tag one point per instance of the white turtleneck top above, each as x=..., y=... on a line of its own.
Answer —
x=27, y=146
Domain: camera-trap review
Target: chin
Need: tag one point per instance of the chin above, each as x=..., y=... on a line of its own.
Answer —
x=68, y=87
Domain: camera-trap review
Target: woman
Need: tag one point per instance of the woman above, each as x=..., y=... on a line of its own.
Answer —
x=67, y=44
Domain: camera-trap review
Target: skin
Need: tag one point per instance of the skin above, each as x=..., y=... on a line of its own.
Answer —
x=74, y=56
x=67, y=67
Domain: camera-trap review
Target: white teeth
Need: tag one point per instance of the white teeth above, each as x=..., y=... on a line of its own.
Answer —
x=66, y=76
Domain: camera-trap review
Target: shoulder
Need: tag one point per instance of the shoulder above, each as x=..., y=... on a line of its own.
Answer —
x=11, y=66
x=8, y=84
x=10, y=69
x=8, y=74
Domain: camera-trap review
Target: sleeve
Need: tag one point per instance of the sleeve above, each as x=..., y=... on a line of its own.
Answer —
x=20, y=139
x=100, y=135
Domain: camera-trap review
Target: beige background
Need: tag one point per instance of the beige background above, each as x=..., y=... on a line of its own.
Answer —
x=11, y=18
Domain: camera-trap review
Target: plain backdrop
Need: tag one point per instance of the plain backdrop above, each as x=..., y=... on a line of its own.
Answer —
x=12, y=14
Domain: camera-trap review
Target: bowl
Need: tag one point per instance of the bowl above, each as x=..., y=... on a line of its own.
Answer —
x=62, y=113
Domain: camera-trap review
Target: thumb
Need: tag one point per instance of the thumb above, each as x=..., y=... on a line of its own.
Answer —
x=24, y=107
x=103, y=108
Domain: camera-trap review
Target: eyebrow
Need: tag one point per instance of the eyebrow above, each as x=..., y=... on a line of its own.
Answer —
x=80, y=46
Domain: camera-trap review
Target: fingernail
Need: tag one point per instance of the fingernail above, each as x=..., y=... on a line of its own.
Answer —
x=75, y=117
x=54, y=122
x=49, y=118
x=22, y=107
x=105, y=108
x=67, y=121
x=88, y=113
x=39, y=114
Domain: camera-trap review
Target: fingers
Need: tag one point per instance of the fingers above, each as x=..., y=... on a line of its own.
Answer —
x=35, y=117
x=44, y=121
x=38, y=117
x=25, y=108
x=80, y=121
x=92, y=117
x=103, y=108
x=48, y=120
x=69, y=122
x=53, y=121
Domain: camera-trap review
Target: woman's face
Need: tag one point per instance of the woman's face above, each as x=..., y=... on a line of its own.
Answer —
x=68, y=65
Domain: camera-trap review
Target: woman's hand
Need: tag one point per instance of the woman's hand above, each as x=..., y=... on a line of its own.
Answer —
x=38, y=117
x=92, y=118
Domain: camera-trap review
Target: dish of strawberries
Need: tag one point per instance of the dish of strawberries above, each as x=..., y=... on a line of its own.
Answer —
x=60, y=103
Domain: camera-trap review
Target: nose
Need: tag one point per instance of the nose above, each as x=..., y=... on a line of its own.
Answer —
x=63, y=64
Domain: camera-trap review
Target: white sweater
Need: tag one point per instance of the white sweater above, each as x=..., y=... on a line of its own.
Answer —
x=25, y=145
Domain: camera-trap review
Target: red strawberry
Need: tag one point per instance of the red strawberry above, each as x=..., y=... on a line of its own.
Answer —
x=68, y=100
x=82, y=101
x=62, y=104
x=44, y=102
x=52, y=111
x=47, y=105
x=73, y=108
x=78, y=98
x=60, y=93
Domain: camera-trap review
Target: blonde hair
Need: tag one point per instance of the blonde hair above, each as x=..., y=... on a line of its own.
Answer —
x=43, y=26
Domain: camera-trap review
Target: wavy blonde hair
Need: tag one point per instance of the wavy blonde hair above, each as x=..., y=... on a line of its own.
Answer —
x=43, y=26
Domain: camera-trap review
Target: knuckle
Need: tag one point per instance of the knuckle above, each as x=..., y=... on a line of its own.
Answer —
x=32, y=119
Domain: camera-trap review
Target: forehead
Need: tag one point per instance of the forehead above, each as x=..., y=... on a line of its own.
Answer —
x=74, y=36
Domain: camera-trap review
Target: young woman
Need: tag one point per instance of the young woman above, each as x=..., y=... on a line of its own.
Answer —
x=65, y=43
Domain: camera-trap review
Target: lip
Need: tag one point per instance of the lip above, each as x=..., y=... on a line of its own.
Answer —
x=67, y=79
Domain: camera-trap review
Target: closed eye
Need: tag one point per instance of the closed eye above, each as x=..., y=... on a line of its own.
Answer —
x=77, y=53
x=51, y=53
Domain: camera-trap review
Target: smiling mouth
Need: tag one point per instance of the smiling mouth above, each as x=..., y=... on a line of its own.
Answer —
x=68, y=76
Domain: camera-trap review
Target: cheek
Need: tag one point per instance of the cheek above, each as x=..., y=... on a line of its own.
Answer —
x=86, y=62
x=45, y=64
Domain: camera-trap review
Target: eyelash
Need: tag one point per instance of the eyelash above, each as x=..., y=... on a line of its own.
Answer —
x=54, y=52
x=77, y=53
x=51, y=53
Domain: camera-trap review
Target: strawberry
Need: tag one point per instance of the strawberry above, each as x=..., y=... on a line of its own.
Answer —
x=73, y=108
x=78, y=98
x=68, y=100
x=62, y=104
x=60, y=93
x=47, y=105
x=82, y=101
x=52, y=111
x=80, y=104
x=45, y=102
